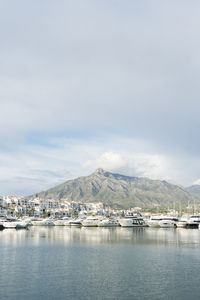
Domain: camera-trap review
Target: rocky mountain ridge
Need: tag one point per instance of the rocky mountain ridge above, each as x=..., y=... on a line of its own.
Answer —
x=194, y=189
x=120, y=191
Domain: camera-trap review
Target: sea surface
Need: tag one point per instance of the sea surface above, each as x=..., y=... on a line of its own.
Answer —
x=57, y=263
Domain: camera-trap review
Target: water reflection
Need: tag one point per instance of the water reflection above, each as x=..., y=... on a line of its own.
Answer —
x=67, y=235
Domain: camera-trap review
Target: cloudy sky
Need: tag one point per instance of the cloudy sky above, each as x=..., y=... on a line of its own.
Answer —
x=98, y=83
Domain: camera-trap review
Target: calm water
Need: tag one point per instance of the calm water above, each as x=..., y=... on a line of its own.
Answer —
x=99, y=263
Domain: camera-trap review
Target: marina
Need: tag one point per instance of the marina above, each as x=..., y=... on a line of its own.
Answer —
x=131, y=220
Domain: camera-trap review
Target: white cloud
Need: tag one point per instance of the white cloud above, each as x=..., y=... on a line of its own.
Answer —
x=196, y=182
x=108, y=161
x=138, y=164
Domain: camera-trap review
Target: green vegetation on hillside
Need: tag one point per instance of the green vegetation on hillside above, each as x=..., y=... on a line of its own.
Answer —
x=121, y=191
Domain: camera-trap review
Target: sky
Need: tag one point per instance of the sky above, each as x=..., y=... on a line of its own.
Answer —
x=110, y=84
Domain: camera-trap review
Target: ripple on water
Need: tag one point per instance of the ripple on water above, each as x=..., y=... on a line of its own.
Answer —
x=99, y=263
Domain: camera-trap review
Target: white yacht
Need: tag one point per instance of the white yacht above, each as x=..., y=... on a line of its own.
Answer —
x=9, y=224
x=193, y=221
x=43, y=222
x=108, y=223
x=22, y=224
x=167, y=223
x=163, y=221
x=14, y=223
x=27, y=220
x=67, y=221
x=91, y=221
x=59, y=222
x=74, y=222
x=182, y=223
x=134, y=220
x=154, y=221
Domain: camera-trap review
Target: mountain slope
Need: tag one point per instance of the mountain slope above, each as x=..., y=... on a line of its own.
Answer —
x=120, y=191
x=195, y=189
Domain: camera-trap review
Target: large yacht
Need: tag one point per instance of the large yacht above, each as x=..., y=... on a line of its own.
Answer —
x=193, y=221
x=91, y=221
x=22, y=224
x=154, y=221
x=9, y=224
x=58, y=222
x=62, y=222
x=133, y=220
x=108, y=223
x=14, y=223
x=43, y=222
x=75, y=222
x=182, y=223
x=162, y=221
x=167, y=223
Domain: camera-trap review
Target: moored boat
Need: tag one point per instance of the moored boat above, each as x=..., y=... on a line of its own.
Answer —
x=134, y=220
x=59, y=222
x=9, y=224
x=22, y=225
x=193, y=221
x=44, y=222
x=91, y=221
x=108, y=223
x=154, y=221
x=182, y=223
x=167, y=223
x=163, y=221
x=74, y=222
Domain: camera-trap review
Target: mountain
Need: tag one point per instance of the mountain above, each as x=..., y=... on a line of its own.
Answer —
x=194, y=189
x=120, y=191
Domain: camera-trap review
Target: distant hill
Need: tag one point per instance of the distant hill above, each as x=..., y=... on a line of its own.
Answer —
x=195, y=189
x=120, y=191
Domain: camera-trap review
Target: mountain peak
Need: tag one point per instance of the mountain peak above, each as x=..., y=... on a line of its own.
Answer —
x=117, y=190
x=100, y=171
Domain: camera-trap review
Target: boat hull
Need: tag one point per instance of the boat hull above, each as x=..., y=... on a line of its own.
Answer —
x=59, y=223
x=181, y=224
x=192, y=225
x=22, y=225
x=153, y=224
x=85, y=224
x=108, y=225
x=132, y=223
x=167, y=224
x=42, y=223
x=73, y=223
x=9, y=225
